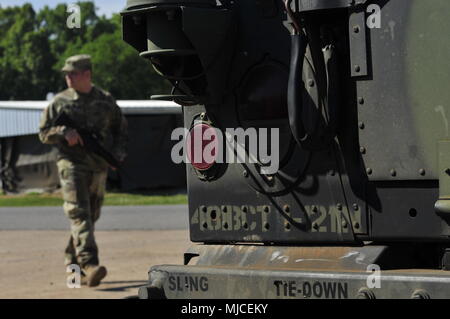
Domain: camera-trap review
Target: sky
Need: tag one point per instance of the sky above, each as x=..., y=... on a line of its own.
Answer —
x=106, y=7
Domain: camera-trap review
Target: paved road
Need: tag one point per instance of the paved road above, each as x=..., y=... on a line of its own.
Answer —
x=31, y=262
x=173, y=217
x=33, y=240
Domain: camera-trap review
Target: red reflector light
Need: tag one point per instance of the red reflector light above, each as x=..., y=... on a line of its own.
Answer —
x=202, y=146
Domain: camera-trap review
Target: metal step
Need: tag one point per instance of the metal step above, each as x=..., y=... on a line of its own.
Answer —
x=261, y=272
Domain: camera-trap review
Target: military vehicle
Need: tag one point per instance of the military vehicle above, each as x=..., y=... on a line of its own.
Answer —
x=358, y=93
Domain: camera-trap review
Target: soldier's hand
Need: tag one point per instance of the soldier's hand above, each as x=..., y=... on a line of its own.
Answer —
x=73, y=138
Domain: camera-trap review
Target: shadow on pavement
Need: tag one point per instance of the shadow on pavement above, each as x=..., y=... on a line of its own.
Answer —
x=128, y=285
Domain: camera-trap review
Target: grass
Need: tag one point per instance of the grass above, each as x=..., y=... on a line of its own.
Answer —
x=111, y=199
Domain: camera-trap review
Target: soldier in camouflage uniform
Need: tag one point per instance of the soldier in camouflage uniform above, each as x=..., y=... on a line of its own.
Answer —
x=83, y=173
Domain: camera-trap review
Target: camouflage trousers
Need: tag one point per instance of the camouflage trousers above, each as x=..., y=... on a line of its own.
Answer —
x=83, y=192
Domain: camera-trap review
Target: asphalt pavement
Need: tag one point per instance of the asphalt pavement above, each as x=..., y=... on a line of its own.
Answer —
x=164, y=217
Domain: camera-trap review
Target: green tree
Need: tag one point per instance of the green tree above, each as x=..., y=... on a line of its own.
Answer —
x=118, y=67
x=64, y=40
x=33, y=48
x=25, y=58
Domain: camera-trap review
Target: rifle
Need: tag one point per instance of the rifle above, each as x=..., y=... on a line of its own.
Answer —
x=90, y=140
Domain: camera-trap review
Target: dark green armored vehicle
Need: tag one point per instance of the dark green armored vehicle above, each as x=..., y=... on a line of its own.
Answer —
x=349, y=197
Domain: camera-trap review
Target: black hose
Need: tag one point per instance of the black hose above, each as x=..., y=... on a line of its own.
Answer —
x=331, y=67
x=295, y=87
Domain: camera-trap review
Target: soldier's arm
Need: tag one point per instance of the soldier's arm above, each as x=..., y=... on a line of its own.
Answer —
x=48, y=133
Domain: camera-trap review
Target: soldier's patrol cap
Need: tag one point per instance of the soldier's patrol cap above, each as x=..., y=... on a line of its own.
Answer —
x=81, y=62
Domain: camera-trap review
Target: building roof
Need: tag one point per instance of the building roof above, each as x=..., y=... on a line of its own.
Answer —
x=22, y=117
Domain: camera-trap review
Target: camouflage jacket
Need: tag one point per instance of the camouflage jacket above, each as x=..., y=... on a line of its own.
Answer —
x=96, y=112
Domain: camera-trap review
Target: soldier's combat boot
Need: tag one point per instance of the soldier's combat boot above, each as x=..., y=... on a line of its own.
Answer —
x=70, y=260
x=94, y=274
x=83, y=279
